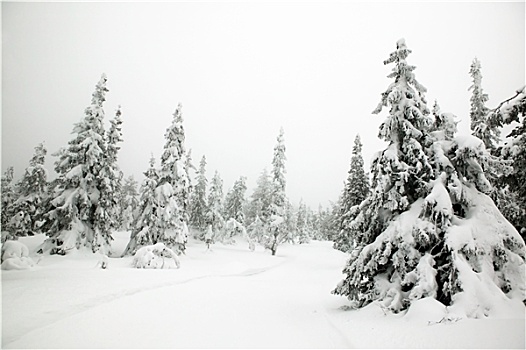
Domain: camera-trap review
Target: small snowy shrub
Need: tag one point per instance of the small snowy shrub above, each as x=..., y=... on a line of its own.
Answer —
x=14, y=249
x=153, y=257
x=15, y=256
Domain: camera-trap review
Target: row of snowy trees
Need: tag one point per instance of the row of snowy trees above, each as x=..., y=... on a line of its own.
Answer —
x=79, y=207
x=428, y=226
x=267, y=217
x=90, y=198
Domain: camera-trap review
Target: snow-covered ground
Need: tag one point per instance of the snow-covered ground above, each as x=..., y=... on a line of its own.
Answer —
x=229, y=297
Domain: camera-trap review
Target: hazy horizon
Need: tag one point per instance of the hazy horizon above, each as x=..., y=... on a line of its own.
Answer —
x=242, y=71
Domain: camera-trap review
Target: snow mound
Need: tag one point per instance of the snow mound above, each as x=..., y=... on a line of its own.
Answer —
x=22, y=263
x=14, y=249
x=426, y=309
x=153, y=257
x=15, y=256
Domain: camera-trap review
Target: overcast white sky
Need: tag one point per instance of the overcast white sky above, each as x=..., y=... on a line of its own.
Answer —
x=243, y=70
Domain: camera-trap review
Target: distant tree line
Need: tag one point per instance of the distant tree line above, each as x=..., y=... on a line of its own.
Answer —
x=90, y=198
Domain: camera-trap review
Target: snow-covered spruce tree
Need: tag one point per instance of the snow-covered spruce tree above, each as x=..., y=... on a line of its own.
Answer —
x=333, y=221
x=173, y=189
x=215, y=206
x=32, y=190
x=144, y=226
x=235, y=201
x=483, y=124
x=355, y=191
x=75, y=210
x=304, y=234
x=259, y=206
x=450, y=242
x=291, y=223
x=129, y=202
x=189, y=165
x=8, y=195
x=276, y=225
x=401, y=171
x=323, y=222
x=108, y=214
x=198, y=205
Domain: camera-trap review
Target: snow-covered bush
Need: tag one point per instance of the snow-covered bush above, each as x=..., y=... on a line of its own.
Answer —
x=153, y=257
x=235, y=230
x=15, y=256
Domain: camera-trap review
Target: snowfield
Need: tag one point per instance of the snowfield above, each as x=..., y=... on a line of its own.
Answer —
x=229, y=297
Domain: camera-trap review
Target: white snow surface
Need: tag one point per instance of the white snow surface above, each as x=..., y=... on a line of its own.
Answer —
x=228, y=297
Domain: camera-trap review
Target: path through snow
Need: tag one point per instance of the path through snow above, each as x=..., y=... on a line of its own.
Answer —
x=229, y=297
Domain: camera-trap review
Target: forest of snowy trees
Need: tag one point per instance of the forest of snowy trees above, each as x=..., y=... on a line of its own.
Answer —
x=439, y=215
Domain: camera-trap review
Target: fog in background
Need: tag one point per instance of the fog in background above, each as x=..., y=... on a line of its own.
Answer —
x=243, y=70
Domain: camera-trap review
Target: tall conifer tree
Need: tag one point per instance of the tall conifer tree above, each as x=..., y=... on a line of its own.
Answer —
x=198, y=204
x=276, y=225
x=173, y=189
x=355, y=191
x=145, y=229
x=74, y=217
x=445, y=239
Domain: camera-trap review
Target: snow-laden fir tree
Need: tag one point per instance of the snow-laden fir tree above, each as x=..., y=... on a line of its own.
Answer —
x=316, y=218
x=8, y=196
x=446, y=239
x=73, y=219
x=483, y=125
x=27, y=211
x=173, y=189
x=355, y=191
x=235, y=201
x=291, y=217
x=215, y=206
x=276, y=228
x=304, y=232
x=259, y=206
x=189, y=165
x=129, y=202
x=234, y=212
x=108, y=214
x=145, y=229
x=333, y=221
x=326, y=230
x=198, y=204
